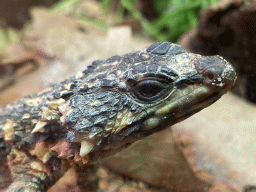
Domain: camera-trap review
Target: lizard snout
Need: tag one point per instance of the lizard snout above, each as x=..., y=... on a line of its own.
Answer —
x=216, y=71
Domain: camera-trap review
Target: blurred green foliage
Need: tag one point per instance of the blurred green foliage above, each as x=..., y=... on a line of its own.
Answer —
x=64, y=4
x=7, y=36
x=175, y=16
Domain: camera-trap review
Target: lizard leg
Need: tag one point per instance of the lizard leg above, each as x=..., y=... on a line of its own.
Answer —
x=28, y=173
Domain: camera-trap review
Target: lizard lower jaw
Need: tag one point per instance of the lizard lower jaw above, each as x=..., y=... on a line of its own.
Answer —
x=191, y=95
x=196, y=98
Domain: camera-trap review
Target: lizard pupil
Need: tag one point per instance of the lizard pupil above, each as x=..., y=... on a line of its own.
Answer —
x=148, y=90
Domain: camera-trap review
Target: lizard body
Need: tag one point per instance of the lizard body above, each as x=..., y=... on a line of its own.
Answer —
x=105, y=108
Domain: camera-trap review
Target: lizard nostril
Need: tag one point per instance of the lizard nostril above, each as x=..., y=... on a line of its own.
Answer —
x=210, y=75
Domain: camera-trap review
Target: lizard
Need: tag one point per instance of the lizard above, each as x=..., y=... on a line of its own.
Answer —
x=105, y=108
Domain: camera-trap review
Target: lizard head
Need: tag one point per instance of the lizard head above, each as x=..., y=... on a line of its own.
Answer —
x=126, y=98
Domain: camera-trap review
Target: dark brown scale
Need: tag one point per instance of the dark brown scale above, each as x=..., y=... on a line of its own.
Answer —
x=113, y=59
x=66, y=95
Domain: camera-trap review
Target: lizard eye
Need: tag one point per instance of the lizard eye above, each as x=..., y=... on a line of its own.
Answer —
x=149, y=90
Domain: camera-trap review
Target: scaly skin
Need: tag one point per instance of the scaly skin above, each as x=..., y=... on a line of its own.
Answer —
x=104, y=109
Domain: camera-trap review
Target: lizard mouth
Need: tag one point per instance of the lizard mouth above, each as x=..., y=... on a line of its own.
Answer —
x=197, y=98
x=191, y=109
